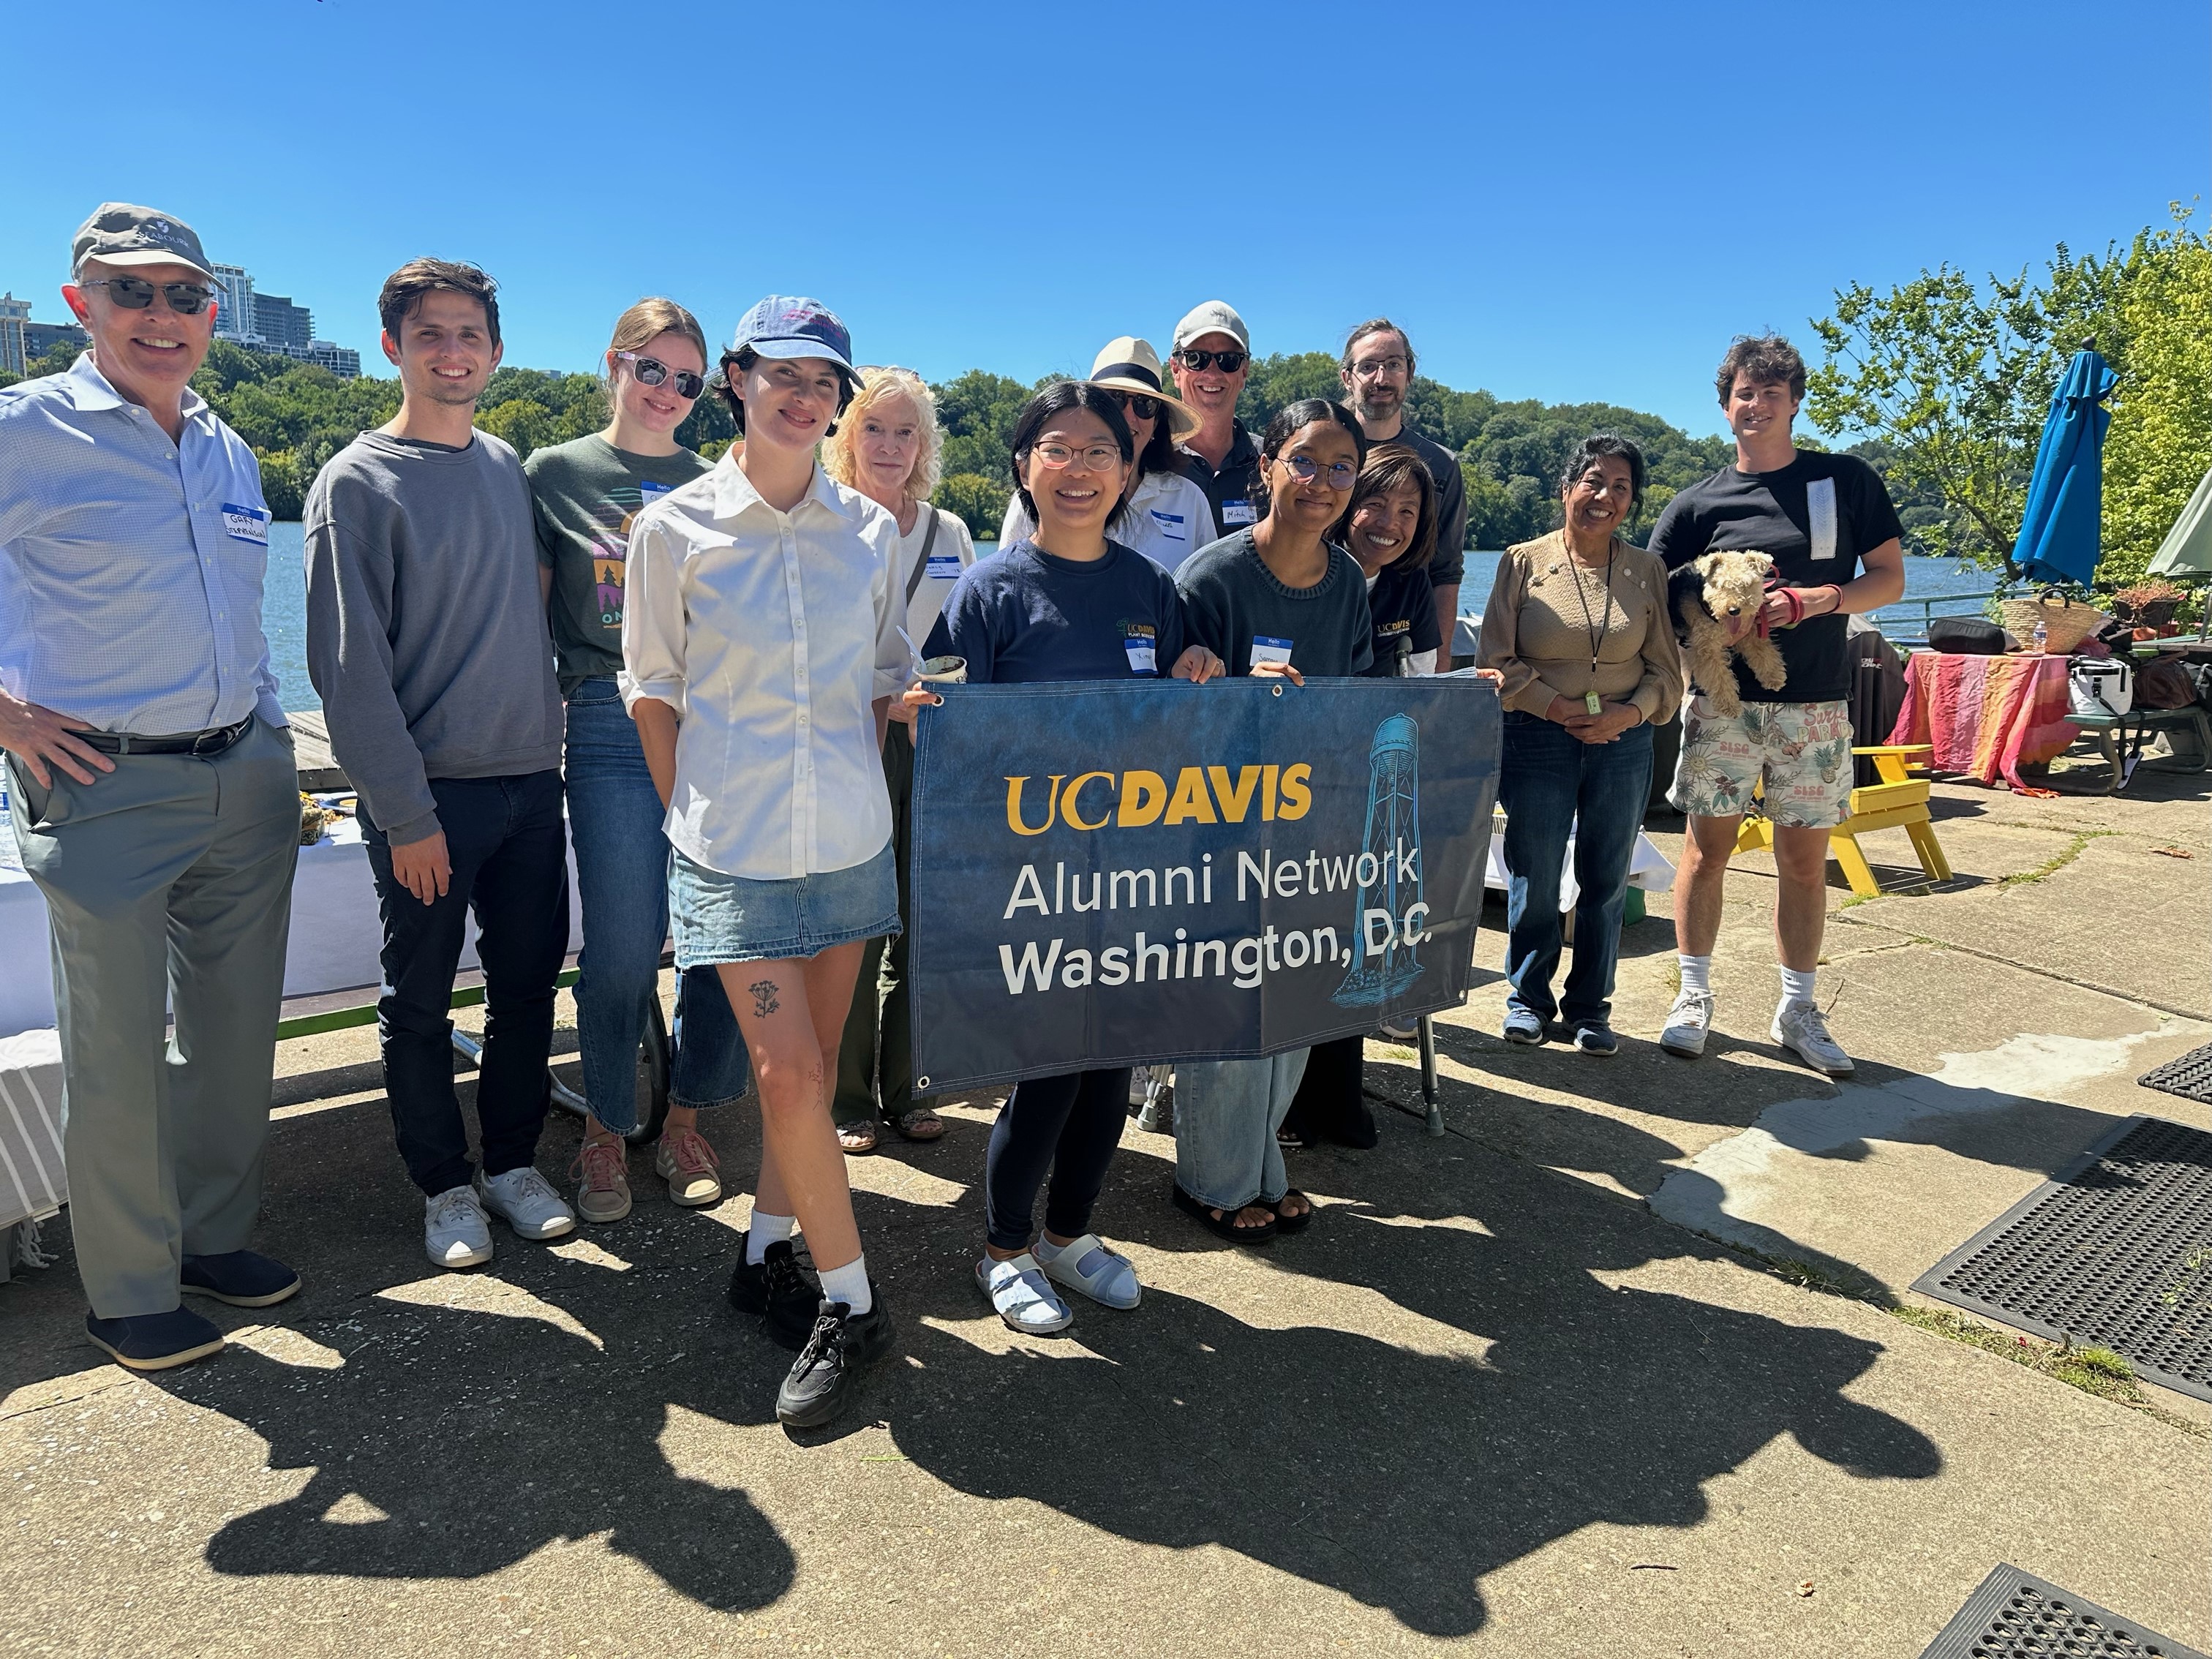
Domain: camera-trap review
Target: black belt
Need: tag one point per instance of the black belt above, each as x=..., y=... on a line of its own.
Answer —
x=212, y=741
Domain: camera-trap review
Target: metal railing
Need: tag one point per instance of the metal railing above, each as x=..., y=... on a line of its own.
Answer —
x=1907, y=620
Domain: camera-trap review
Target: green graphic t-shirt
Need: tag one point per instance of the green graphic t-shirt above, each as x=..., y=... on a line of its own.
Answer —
x=584, y=494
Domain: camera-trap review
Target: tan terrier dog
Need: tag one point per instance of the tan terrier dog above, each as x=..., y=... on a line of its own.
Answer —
x=1711, y=597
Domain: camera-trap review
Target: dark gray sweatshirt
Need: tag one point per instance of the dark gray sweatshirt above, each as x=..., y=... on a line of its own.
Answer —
x=427, y=638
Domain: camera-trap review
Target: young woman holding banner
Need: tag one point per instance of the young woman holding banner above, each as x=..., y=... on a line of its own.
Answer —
x=1390, y=531
x=1280, y=597
x=1066, y=603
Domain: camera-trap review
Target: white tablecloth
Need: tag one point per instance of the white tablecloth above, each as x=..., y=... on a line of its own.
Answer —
x=1648, y=867
x=333, y=945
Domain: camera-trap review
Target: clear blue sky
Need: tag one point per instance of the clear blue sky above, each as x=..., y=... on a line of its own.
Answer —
x=1567, y=202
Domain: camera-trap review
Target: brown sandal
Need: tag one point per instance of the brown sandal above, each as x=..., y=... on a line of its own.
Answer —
x=858, y=1137
x=917, y=1123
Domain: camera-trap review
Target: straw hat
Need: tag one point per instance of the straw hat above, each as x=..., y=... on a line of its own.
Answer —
x=1129, y=364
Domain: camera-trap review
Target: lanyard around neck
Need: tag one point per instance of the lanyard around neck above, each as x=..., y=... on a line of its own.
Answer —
x=1595, y=629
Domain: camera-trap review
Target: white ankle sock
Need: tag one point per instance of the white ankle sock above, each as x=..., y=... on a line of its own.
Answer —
x=1797, y=988
x=764, y=1230
x=849, y=1284
x=1697, y=973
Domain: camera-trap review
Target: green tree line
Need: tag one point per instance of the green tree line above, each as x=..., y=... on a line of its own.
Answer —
x=296, y=418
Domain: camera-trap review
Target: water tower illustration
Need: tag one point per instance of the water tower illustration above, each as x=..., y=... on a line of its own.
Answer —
x=1394, y=828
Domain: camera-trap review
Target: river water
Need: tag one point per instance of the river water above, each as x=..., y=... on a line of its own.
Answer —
x=284, y=602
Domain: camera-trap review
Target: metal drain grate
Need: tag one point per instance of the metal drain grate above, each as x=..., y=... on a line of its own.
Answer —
x=2016, y=1615
x=2117, y=1253
x=2190, y=1077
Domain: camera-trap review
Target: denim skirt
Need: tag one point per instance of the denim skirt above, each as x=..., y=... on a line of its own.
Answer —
x=717, y=918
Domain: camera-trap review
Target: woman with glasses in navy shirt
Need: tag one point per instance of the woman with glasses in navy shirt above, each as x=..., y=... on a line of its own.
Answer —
x=1067, y=603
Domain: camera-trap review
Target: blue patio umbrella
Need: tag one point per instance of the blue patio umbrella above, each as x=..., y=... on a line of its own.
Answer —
x=2058, y=532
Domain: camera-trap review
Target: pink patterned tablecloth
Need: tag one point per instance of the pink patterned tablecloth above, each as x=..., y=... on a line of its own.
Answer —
x=1986, y=717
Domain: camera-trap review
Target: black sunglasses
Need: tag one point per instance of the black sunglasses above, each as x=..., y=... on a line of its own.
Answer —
x=651, y=371
x=136, y=294
x=1139, y=404
x=1230, y=362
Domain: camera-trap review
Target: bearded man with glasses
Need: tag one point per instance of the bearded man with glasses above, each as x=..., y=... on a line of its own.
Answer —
x=151, y=785
x=1211, y=359
x=1376, y=369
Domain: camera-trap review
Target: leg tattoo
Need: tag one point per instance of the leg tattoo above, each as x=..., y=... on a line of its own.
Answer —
x=764, y=1002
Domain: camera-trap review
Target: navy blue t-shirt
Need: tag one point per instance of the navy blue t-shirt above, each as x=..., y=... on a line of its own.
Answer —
x=1403, y=605
x=1023, y=617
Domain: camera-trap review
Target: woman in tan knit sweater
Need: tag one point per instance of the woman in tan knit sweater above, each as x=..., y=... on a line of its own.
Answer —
x=1577, y=624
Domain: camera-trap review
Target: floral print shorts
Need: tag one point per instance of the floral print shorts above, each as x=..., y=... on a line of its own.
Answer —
x=1802, y=749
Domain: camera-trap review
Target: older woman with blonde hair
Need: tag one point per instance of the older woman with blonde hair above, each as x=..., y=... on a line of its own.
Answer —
x=586, y=495
x=887, y=446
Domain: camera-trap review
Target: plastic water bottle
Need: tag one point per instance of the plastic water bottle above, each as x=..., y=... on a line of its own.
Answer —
x=2042, y=636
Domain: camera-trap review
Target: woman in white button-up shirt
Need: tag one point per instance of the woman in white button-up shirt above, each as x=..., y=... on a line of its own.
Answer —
x=761, y=648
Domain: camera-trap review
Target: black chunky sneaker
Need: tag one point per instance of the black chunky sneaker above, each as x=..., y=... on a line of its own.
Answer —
x=827, y=1371
x=778, y=1292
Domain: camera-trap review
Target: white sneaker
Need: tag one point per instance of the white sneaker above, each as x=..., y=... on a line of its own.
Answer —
x=1023, y=1296
x=526, y=1200
x=1687, y=1023
x=1804, y=1031
x=454, y=1231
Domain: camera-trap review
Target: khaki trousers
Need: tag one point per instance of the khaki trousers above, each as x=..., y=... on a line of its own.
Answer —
x=168, y=883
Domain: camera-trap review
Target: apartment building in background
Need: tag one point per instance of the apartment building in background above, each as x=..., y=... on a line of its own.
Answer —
x=13, y=314
x=271, y=322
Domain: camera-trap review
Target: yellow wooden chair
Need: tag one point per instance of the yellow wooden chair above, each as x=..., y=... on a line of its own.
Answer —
x=1899, y=801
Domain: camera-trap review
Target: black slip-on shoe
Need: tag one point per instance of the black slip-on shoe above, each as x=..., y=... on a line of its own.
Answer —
x=154, y=1342
x=244, y=1279
x=827, y=1371
x=1595, y=1039
x=777, y=1291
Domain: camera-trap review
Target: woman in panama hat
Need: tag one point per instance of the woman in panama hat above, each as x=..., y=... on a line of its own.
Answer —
x=1165, y=516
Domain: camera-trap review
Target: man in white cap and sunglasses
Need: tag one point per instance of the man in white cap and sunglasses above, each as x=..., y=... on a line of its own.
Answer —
x=151, y=785
x=1212, y=358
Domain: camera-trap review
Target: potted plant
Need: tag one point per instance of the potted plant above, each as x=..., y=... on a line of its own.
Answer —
x=2149, y=604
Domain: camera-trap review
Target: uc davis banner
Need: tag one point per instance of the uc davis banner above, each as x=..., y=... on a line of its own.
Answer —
x=1114, y=874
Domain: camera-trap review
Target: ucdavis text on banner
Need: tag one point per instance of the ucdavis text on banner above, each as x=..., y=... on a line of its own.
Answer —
x=1113, y=874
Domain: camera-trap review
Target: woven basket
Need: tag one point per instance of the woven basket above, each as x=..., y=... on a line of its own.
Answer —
x=2066, y=623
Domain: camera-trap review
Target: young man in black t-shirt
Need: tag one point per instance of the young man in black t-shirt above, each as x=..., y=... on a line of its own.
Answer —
x=1827, y=523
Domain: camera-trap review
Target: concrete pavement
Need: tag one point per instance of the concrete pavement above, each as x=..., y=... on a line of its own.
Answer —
x=1507, y=1394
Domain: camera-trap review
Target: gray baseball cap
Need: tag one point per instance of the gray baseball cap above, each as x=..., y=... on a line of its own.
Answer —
x=1214, y=317
x=118, y=234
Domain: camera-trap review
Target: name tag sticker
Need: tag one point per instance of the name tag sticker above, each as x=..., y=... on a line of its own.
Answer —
x=1170, y=524
x=1238, y=513
x=1267, y=650
x=245, y=524
x=1820, y=509
x=647, y=489
x=944, y=567
x=1140, y=640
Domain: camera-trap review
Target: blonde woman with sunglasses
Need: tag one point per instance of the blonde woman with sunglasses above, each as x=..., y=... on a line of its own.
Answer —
x=585, y=494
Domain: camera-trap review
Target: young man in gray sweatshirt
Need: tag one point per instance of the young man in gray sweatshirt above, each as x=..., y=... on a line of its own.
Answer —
x=426, y=641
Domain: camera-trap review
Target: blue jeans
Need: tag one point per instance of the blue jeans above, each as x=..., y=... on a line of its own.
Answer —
x=622, y=875
x=1226, y=1113
x=1553, y=783
x=510, y=866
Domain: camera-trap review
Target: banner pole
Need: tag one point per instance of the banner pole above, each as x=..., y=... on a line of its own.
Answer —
x=1428, y=1075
